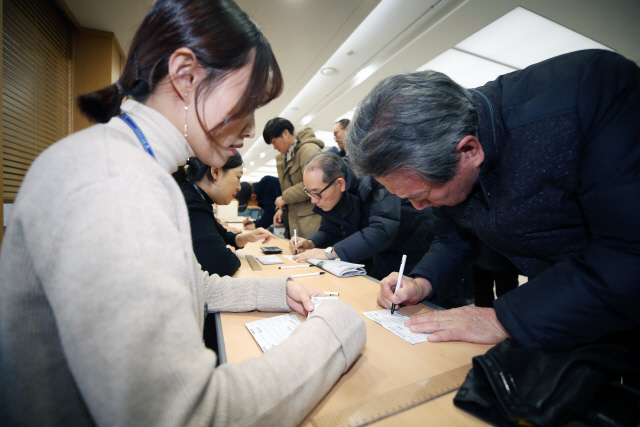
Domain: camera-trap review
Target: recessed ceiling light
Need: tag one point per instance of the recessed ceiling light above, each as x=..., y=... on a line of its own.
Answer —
x=306, y=119
x=262, y=155
x=250, y=163
x=328, y=71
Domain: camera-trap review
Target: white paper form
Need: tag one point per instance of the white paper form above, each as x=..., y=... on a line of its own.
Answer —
x=269, y=259
x=270, y=332
x=395, y=324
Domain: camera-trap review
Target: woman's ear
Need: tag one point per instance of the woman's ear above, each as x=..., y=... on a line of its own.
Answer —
x=182, y=71
x=215, y=173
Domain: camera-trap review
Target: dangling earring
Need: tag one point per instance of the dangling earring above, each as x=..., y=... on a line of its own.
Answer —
x=186, y=110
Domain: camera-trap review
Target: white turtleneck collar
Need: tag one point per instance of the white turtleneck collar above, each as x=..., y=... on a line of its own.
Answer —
x=169, y=146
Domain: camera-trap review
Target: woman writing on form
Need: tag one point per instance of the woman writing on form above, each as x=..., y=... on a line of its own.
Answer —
x=101, y=297
x=202, y=186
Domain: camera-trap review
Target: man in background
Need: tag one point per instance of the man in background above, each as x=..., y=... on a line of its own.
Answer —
x=295, y=149
x=339, y=131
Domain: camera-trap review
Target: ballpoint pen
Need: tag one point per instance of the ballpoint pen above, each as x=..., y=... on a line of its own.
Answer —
x=295, y=240
x=399, y=284
x=294, y=266
x=307, y=274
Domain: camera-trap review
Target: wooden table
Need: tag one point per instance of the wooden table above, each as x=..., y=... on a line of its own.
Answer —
x=386, y=363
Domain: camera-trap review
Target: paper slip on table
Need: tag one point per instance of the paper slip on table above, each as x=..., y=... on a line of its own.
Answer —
x=387, y=364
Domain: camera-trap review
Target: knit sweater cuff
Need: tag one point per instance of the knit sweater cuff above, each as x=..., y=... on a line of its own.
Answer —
x=272, y=294
x=346, y=324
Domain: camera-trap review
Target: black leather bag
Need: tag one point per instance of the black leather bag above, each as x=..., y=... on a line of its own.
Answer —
x=513, y=386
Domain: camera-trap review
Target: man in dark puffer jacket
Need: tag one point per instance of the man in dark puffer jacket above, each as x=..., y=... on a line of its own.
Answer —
x=542, y=165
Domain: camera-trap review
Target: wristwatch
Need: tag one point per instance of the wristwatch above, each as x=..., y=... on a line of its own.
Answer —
x=328, y=252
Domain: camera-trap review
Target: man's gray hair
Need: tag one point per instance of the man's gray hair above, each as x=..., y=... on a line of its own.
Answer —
x=411, y=122
x=331, y=165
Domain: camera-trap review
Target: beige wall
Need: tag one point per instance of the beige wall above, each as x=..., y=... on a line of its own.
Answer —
x=97, y=62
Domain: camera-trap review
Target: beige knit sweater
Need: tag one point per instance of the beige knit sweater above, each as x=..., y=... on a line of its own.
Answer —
x=102, y=300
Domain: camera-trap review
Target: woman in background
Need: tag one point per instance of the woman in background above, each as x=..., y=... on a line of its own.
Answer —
x=202, y=186
x=101, y=297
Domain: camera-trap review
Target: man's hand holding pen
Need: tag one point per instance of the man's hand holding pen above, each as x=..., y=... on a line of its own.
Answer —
x=412, y=292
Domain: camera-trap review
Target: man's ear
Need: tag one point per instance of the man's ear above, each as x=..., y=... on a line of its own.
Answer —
x=470, y=148
x=183, y=75
x=342, y=184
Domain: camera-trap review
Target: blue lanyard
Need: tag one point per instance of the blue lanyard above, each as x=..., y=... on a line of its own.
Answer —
x=139, y=134
x=199, y=191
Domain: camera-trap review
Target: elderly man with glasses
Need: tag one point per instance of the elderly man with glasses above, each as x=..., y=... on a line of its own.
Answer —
x=361, y=221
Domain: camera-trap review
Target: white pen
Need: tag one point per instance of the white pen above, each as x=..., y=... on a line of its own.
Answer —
x=307, y=274
x=295, y=240
x=295, y=266
x=399, y=284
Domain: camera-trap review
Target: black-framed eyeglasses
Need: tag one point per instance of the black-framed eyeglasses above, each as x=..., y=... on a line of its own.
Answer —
x=318, y=195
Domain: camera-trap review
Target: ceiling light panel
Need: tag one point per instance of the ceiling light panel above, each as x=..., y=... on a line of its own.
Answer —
x=465, y=69
x=521, y=38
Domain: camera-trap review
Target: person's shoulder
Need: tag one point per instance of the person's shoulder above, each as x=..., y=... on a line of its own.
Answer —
x=84, y=153
x=309, y=147
x=307, y=138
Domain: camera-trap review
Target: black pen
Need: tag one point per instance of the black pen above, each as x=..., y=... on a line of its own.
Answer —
x=399, y=284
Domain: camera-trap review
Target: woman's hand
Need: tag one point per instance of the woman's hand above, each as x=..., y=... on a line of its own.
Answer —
x=303, y=245
x=278, y=217
x=412, y=291
x=299, y=297
x=471, y=324
x=253, y=236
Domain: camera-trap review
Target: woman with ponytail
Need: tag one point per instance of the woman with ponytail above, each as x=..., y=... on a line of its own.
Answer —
x=102, y=300
x=202, y=186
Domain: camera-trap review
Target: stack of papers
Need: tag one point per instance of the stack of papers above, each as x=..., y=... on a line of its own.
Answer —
x=395, y=323
x=339, y=268
x=270, y=332
x=269, y=259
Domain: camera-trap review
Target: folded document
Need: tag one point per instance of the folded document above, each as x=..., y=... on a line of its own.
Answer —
x=339, y=268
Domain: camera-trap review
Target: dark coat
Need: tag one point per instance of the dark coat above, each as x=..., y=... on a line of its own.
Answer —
x=559, y=196
x=210, y=238
x=373, y=226
x=267, y=191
